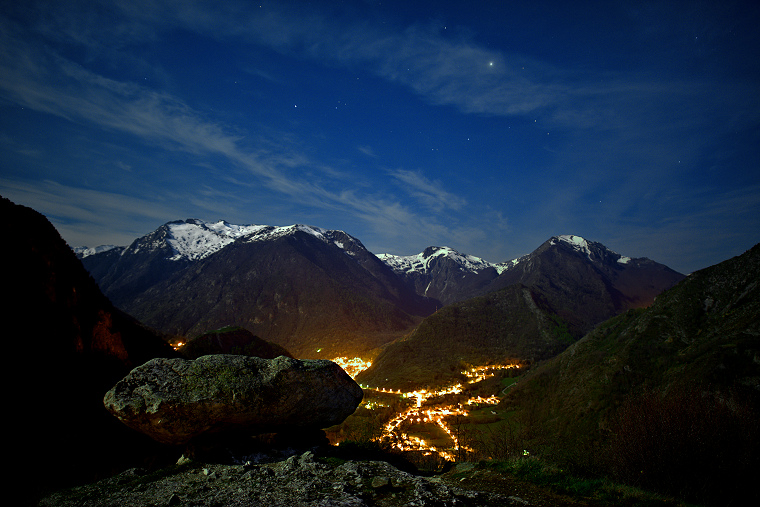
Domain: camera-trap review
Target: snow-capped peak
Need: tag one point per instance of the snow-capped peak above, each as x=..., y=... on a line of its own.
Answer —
x=576, y=242
x=589, y=248
x=271, y=232
x=195, y=239
x=338, y=238
x=84, y=251
x=422, y=261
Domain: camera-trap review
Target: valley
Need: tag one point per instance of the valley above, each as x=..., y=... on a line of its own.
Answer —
x=429, y=421
x=659, y=389
x=433, y=323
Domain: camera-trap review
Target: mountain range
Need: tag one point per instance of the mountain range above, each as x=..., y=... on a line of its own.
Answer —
x=316, y=292
x=321, y=294
x=537, y=306
x=663, y=395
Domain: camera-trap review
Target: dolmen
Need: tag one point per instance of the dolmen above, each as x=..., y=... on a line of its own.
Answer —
x=177, y=400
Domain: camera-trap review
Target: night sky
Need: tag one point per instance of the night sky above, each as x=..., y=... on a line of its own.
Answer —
x=487, y=126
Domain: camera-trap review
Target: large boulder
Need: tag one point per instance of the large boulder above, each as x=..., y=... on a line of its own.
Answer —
x=176, y=400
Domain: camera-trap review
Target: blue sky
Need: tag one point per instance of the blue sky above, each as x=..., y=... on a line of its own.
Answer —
x=484, y=126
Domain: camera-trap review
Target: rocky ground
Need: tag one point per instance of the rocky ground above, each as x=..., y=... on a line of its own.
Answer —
x=305, y=479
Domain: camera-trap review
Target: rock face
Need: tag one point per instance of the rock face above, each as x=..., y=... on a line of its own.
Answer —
x=176, y=400
x=299, y=481
x=81, y=346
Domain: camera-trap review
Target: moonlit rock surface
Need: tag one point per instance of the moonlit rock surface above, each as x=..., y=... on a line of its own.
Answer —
x=176, y=400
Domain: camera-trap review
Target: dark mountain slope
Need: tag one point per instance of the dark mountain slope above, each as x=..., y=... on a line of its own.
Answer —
x=100, y=263
x=231, y=340
x=66, y=346
x=588, y=282
x=513, y=325
x=684, y=371
x=145, y=262
x=442, y=273
x=313, y=297
x=573, y=285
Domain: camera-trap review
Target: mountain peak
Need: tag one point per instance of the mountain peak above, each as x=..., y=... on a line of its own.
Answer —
x=423, y=262
x=195, y=239
x=575, y=241
x=340, y=239
x=592, y=249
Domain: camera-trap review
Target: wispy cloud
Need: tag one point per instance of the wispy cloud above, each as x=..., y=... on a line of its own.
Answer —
x=430, y=193
x=36, y=78
x=445, y=70
x=448, y=71
x=81, y=214
x=367, y=150
x=622, y=129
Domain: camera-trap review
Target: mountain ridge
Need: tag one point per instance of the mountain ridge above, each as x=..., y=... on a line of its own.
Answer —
x=316, y=291
x=188, y=243
x=663, y=393
x=195, y=239
x=532, y=311
x=441, y=273
x=305, y=288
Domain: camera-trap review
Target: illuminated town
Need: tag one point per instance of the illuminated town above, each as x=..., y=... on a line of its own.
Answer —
x=353, y=366
x=444, y=406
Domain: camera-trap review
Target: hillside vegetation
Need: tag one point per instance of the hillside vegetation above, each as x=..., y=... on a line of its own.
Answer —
x=513, y=325
x=534, y=310
x=666, y=397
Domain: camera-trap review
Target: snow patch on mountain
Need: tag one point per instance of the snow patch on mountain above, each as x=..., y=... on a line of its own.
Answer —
x=338, y=238
x=196, y=239
x=84, y=251
x=576, y=242
x=506, y=266
x=589, y=248
x=422, y=261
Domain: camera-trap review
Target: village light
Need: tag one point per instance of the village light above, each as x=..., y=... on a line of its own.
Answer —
x=393, y=430
x=352, y=366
